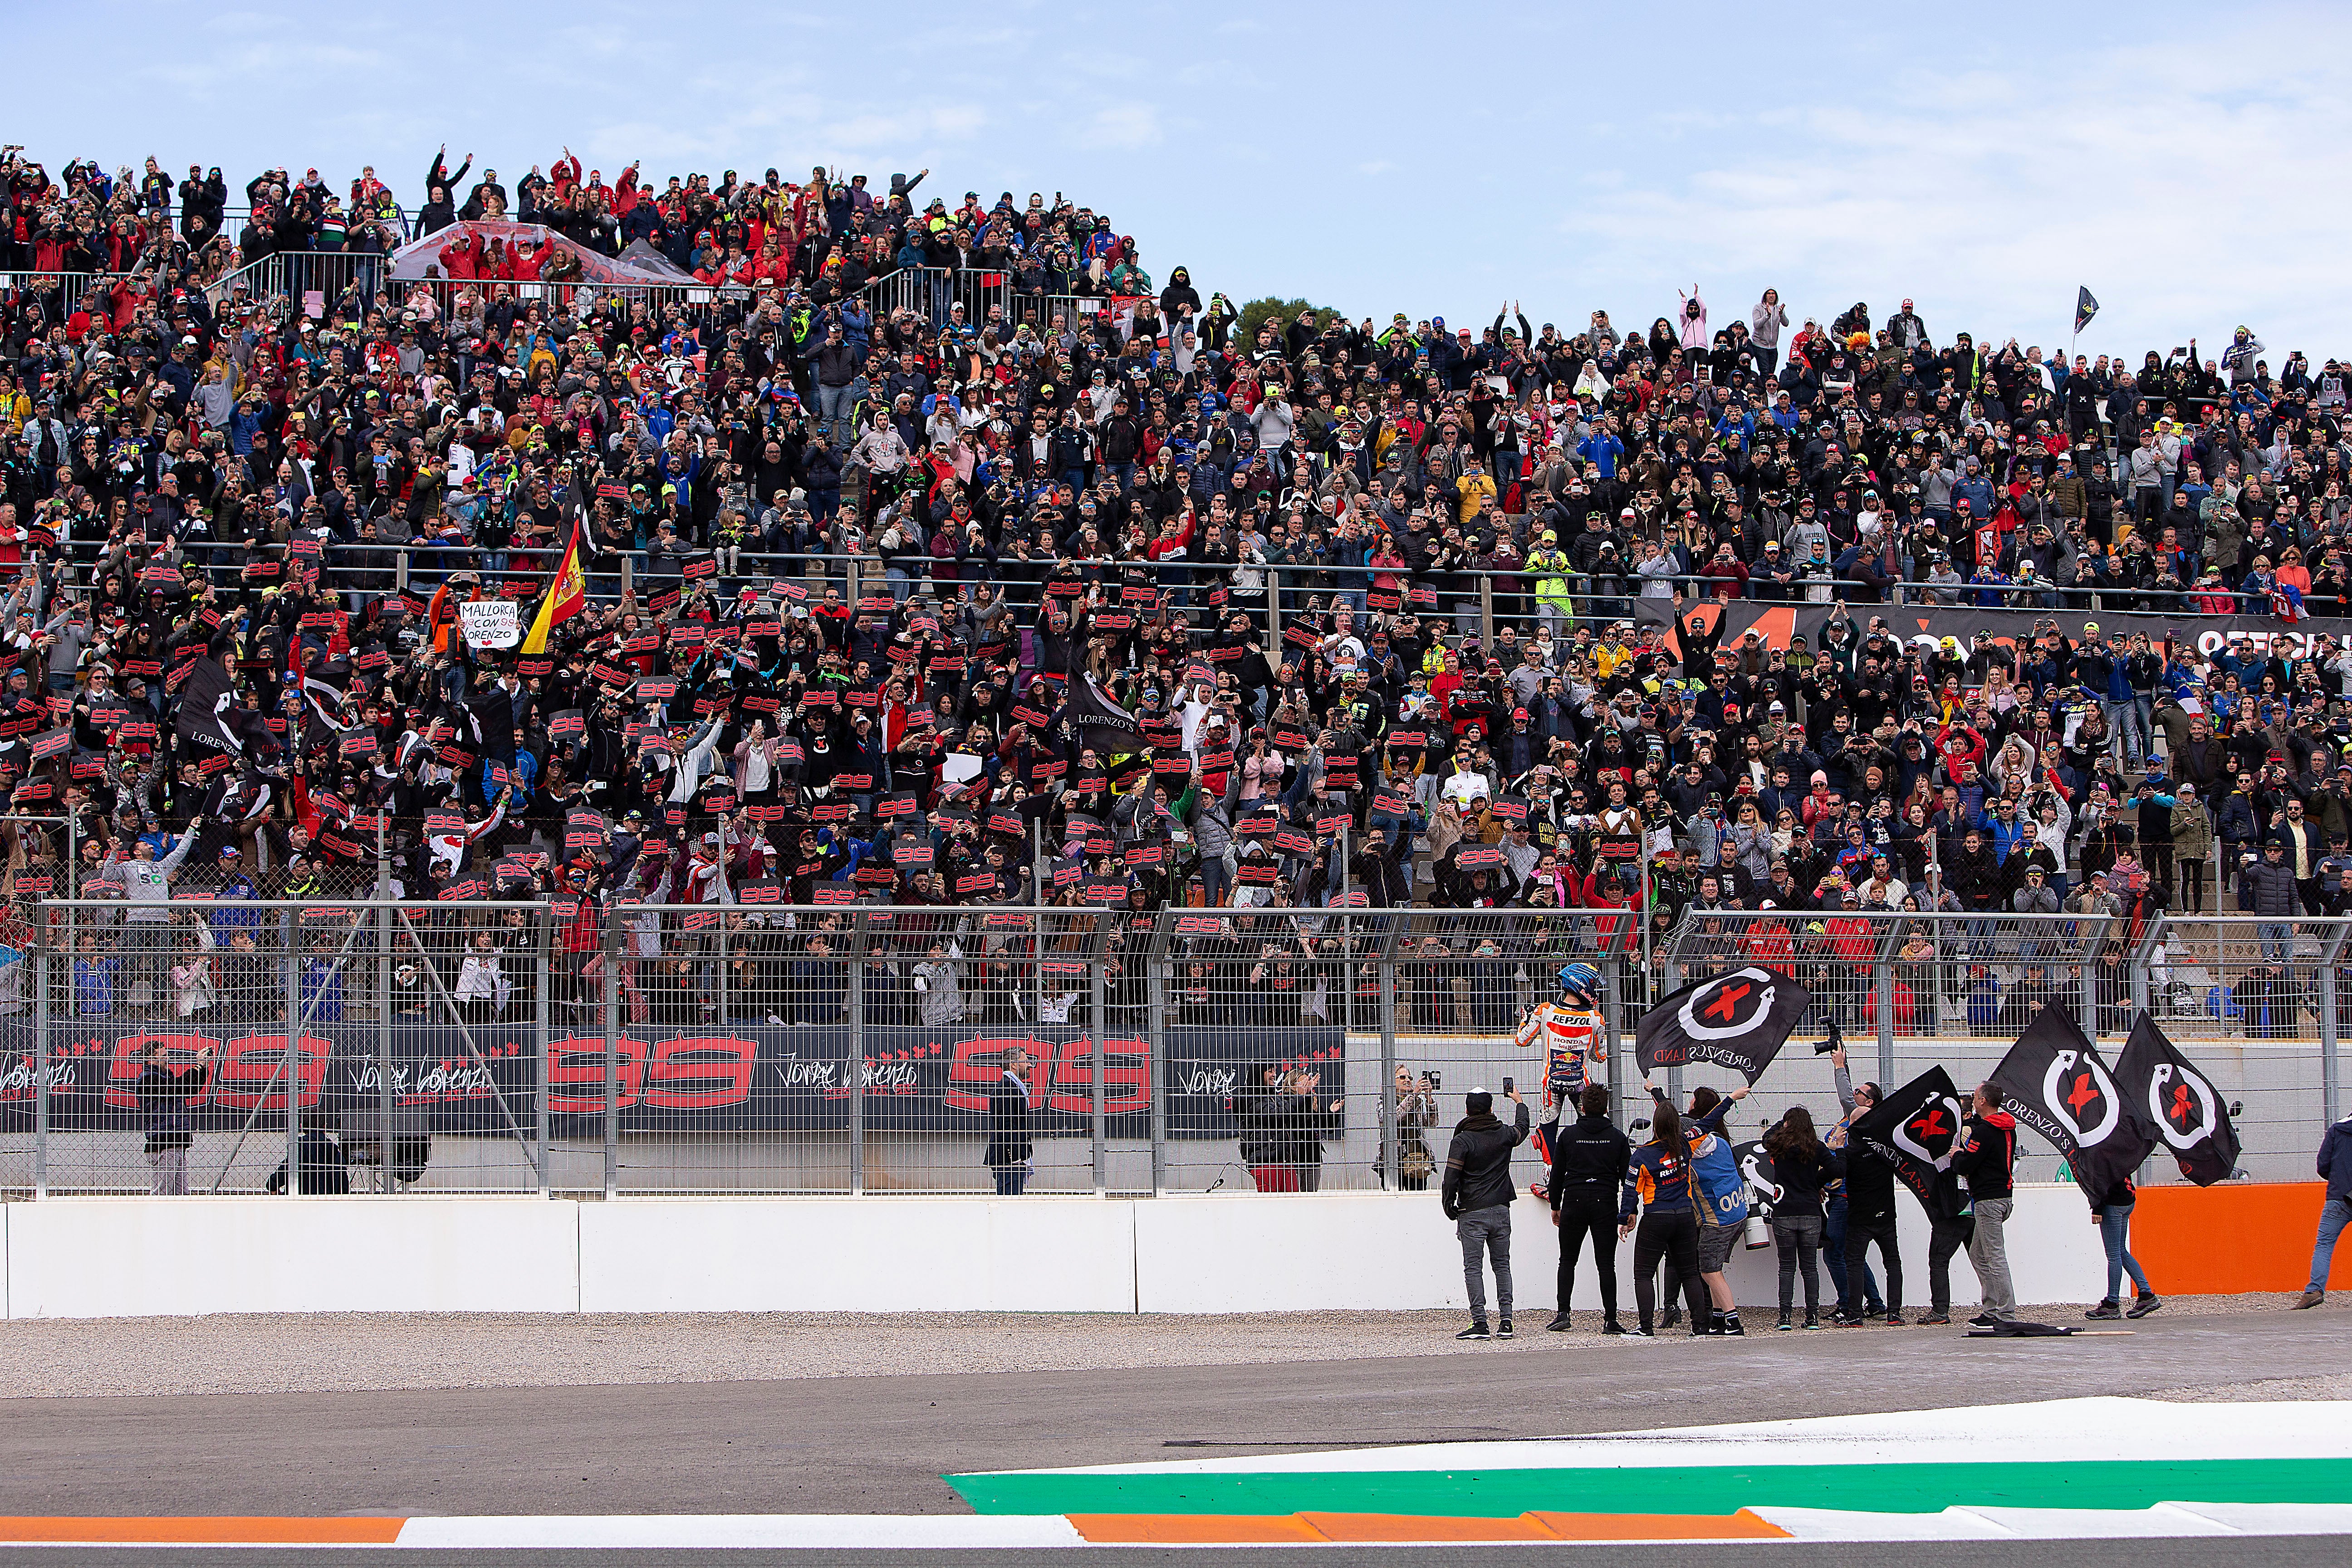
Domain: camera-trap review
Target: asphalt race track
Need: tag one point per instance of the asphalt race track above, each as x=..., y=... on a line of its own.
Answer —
x=2317, y=1552
x=877, y=1444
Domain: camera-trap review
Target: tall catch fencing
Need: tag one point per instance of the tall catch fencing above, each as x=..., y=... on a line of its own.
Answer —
x=2255, y=1004
x=758, y=1047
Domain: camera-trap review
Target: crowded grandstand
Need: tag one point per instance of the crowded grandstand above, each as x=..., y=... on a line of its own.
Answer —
x=651, y=539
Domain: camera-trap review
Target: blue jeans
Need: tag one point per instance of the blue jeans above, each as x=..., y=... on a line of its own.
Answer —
x=1010, y=1180
x=2276, y=940
x=833, y=403
x=1833, y=1254
x=1216, y=881
x=2333, y=1218
x=2115, y=1229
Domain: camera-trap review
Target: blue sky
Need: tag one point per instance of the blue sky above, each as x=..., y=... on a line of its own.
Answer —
x=2185, y=164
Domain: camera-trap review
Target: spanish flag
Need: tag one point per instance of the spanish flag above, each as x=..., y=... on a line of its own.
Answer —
x=563, y=600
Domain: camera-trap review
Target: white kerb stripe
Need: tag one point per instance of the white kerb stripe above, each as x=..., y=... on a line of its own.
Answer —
x=697, y=1532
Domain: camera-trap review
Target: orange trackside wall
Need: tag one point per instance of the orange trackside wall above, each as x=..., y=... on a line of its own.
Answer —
x=2218, y=1241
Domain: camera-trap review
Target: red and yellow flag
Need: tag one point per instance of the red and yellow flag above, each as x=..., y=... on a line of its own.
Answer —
x=563, y=600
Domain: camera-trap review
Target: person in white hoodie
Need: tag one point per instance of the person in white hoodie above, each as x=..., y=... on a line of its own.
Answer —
x=481, y=988
x=146, y=884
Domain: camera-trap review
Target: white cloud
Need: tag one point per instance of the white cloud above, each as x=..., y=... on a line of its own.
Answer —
x=2182, y=164
x=2179, y=183
x=1125, y=125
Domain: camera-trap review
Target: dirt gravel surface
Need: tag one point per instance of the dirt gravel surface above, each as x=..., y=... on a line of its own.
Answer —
x=354, y=1352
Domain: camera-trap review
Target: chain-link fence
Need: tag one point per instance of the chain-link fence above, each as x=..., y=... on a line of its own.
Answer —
x=752, y=1047
x=206, y=1043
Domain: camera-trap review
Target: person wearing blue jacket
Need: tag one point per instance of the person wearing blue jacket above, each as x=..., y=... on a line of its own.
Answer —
x=2336, y=1169
x=1721, y=1205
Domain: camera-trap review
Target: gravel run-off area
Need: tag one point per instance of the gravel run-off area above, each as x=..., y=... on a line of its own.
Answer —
x=236, y=1355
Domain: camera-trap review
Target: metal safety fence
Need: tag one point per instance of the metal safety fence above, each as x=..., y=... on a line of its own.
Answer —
x=1086, y=1047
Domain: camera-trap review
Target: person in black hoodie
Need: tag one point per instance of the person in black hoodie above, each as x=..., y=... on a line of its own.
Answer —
x=1477, y=1198
x=1305, y=1122
x=1869, y=1216
x=1589, y=1162
x=1801, y=1167
x=164, y=1089
x=1986, y=1156
x=1257, y=1120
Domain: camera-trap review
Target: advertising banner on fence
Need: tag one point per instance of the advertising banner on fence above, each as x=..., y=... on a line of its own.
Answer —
x=715, y=1079
x=1775, y=624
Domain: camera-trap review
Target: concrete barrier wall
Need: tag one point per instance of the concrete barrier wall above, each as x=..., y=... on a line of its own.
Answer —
x=846, y=1254
x=90, y=1257
x=1218, y=1253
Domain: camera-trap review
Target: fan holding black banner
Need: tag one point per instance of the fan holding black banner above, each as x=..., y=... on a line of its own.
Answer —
x=1915, y=1128
x=2052, y=1081
x=2176, y=1104
x=1738, y=1019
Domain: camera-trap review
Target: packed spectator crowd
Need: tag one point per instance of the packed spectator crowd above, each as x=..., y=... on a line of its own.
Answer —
x=1134, y=607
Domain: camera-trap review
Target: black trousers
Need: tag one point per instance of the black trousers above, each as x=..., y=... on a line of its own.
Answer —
x=1859, y=1233
x=1673, y=1236
x=1593, y=1214
x=1947, y=1237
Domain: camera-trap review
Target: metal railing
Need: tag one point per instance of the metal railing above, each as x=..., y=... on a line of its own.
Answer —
x=932, y=292
x=854, y=1048
x=1460, y=604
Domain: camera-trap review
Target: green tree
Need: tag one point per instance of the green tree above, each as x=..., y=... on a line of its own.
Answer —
x=1282, y=313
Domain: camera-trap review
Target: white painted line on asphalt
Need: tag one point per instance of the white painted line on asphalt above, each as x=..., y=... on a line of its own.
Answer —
x=695, y=1532
x=1845, y=1524
x=2060, y=1431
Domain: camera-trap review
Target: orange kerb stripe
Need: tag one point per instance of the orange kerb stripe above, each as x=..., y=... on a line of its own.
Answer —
x=1368, y=1528
x=208, y=1531
x=1740, y=1526
x=1191, y=1529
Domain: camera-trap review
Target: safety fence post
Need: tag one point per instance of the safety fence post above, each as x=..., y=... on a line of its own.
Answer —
x=546, y=1033
x=1882, y=983
x=856, y=1066
x=1099, y=1018
x=1157, y=969
x=296, y=1013
x=613, y=946
x=1390, y=1156
x=2331, y=1068
x=41, y=1057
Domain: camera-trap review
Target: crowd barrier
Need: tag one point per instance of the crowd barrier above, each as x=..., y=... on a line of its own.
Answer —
x=473, y=1046
x=1195, y=1254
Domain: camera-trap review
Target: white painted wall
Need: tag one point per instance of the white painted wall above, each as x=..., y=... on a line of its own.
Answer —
x=89, y=1257
x=1215, y=1253
x=847, y=1255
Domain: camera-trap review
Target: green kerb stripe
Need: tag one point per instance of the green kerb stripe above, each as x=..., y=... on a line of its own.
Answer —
x=1504, y=1494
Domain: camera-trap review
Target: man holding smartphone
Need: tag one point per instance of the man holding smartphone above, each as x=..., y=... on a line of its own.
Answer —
x=1477, y=1198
